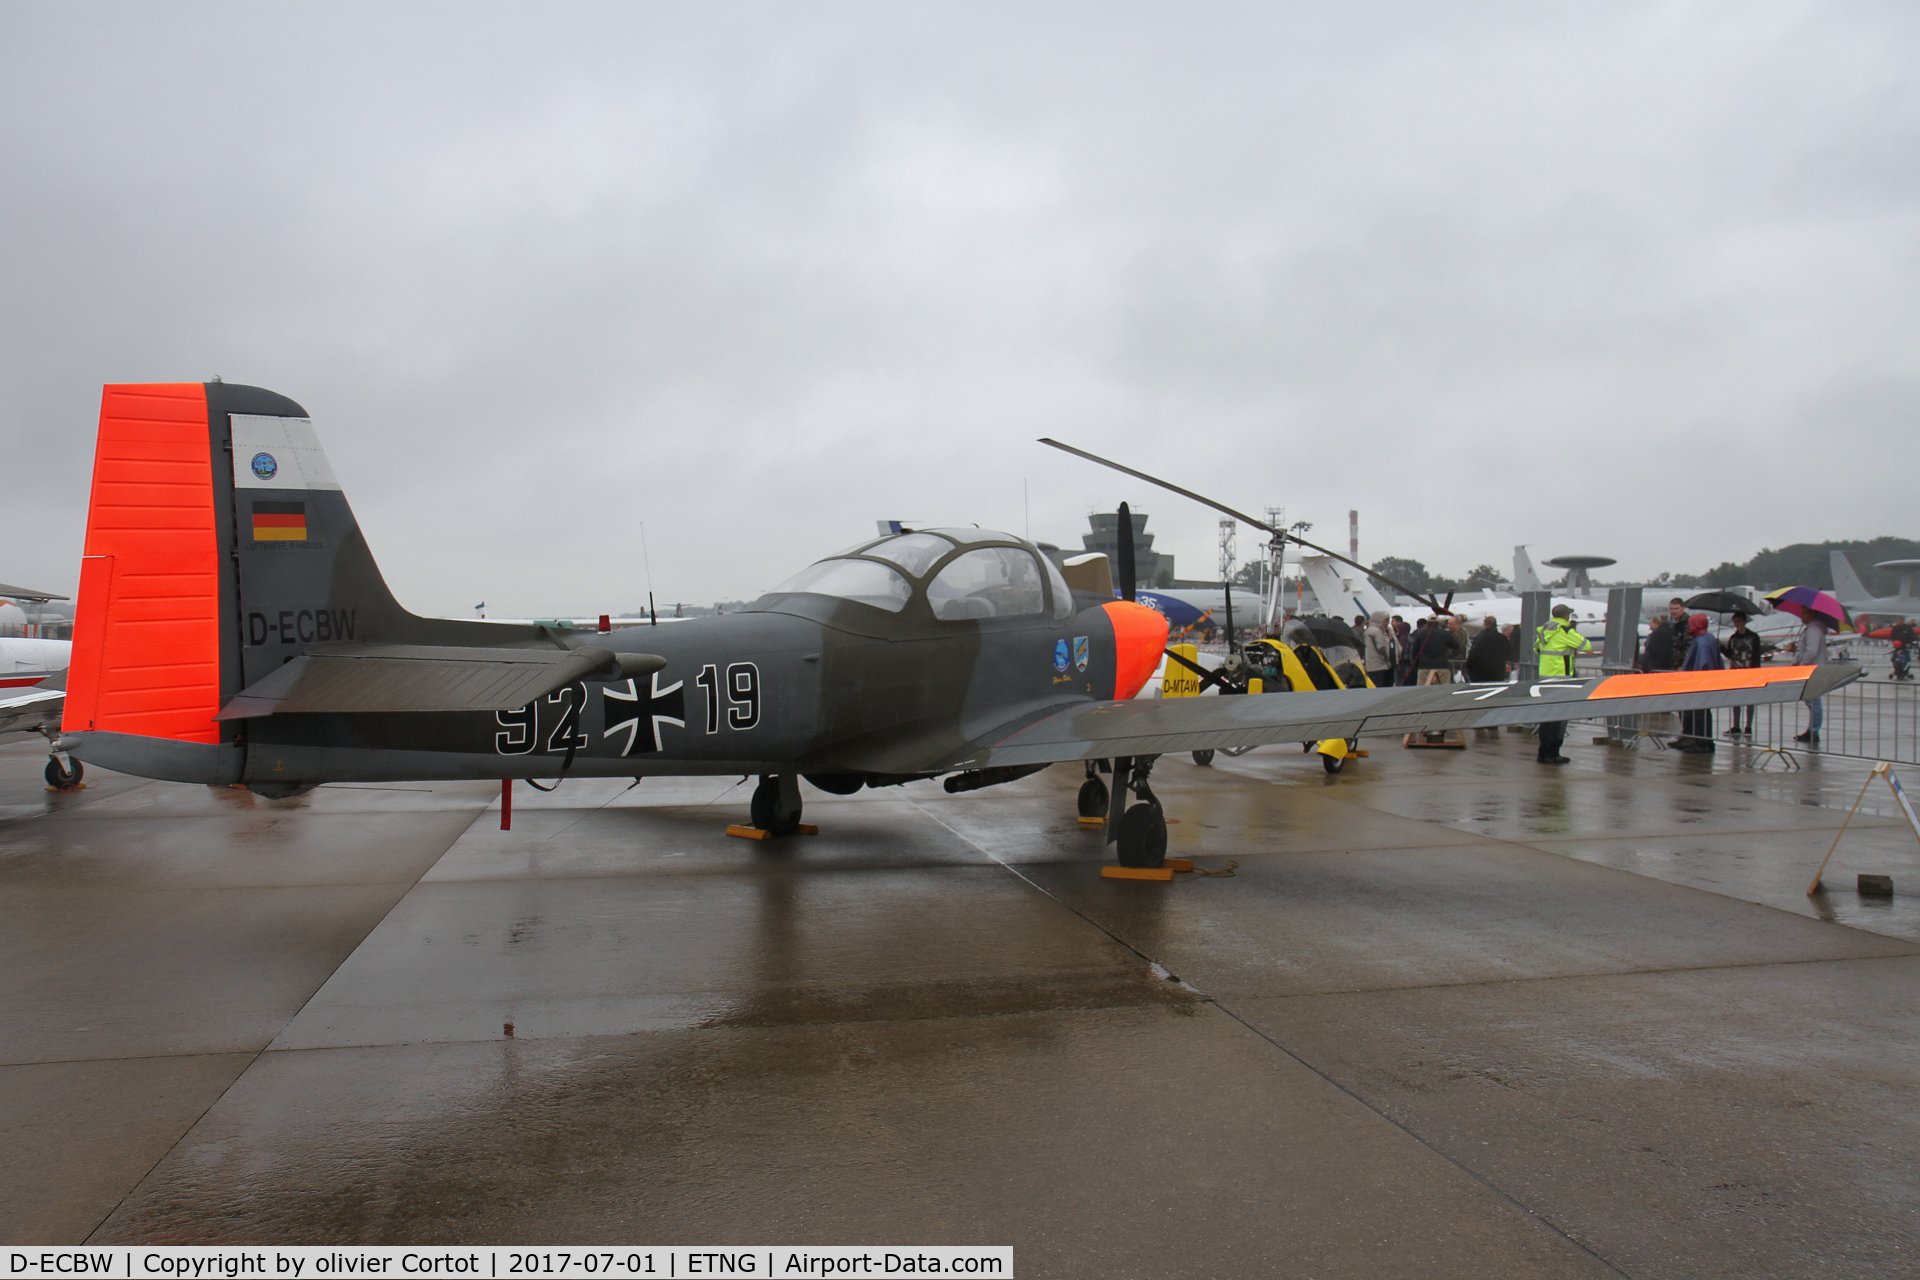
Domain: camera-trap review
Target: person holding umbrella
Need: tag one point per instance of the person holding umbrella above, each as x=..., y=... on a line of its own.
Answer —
x=1822, y=613
x=1744, y=650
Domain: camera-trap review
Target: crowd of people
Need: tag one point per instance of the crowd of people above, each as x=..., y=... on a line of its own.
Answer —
x=1430, y=651
x=1680, y=641
x=1433, y=649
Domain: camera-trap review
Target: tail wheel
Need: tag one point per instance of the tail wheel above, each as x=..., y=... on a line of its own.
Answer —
x=1143, y=837
x=765, y=809
x=1332, y=765
x=62, y=778
x=1093, y=798
x=1203, y=758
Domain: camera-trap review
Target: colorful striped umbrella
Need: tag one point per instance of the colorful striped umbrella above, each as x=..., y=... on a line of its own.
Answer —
x=1801, y=601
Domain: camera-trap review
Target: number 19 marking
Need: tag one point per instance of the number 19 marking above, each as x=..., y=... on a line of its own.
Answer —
x=742, y=692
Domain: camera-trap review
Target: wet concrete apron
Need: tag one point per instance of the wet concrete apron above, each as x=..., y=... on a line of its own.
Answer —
x=1455, y=1016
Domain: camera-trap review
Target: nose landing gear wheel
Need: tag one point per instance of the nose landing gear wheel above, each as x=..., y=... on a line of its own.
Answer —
x=1332, y=765
x=1203, y=758
x=765, y=808
x=1143, y=837
x=59, y=777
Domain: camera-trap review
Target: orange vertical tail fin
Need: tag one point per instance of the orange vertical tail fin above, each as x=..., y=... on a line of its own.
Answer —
x=146, y=639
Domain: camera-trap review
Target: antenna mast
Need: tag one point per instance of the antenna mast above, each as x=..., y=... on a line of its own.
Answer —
x=1276, y=561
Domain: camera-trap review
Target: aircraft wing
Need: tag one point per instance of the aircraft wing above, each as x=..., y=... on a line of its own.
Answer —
x=30, y=708
x=1101, y=730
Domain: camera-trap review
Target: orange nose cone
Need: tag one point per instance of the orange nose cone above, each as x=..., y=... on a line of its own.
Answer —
x=1139, y=638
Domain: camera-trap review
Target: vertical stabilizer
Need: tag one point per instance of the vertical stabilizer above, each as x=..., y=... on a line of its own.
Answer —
x=1524, y=578
x=219, y=546
x=1340, y=597
x=1847, y=586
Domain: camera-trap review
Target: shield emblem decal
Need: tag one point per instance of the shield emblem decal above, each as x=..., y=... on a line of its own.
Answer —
x=1080, y=652
x=1060, y=655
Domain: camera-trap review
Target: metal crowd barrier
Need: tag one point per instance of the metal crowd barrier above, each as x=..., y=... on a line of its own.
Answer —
x=1873, y=718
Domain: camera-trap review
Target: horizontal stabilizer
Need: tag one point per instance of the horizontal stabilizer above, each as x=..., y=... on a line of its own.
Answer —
x=401, y=677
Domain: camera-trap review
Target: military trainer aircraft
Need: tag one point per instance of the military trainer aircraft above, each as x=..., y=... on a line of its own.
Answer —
x=232, y=627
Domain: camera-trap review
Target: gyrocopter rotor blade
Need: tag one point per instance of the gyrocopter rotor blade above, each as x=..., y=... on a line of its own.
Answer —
x=1221, y=507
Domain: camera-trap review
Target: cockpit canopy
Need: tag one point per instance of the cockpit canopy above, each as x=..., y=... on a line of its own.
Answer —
x=961, y=573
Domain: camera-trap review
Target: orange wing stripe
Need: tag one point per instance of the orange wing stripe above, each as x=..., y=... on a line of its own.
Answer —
x=1695, y=681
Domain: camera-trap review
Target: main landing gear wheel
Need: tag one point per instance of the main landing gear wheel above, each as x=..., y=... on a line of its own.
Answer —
x=1093, y=798
x=1332, y=765
x=1143, y=836
x=60, y=777
x=1140, y=836
x=1203, y=758
x=765, y=809
x=1093, y=792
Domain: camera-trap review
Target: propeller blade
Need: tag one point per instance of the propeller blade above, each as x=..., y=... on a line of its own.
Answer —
x=1444, y=608
x=1206, y=677
x=1428, y=601
x=1126, y=553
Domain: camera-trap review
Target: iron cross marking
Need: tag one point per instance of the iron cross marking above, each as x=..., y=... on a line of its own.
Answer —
x=648, y=710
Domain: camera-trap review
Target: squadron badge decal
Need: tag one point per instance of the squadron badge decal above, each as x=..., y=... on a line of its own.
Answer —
x=1060, y=655
x=1080, y=653
x=265, y=466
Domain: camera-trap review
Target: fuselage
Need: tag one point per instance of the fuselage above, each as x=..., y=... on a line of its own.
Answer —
x=806, y=683
x=25, y=663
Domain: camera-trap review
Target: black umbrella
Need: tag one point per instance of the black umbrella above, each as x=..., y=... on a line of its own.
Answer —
x=1330, y=631
x=1723, y=602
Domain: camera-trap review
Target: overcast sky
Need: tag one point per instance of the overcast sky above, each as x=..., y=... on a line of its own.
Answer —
x=1632, y=280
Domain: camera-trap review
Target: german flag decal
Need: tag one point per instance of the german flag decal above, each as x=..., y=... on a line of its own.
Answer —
x=279, y=522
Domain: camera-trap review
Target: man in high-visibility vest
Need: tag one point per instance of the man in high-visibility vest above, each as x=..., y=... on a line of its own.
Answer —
x=1554, y=646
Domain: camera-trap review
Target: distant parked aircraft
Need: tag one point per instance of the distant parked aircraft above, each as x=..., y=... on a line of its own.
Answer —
x=1851, y=592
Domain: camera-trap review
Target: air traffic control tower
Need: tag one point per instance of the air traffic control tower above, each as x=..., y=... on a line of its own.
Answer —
x=1152, y=568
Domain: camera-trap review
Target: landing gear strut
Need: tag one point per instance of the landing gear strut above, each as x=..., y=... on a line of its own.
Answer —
x=776, y=804
x=1140, y=832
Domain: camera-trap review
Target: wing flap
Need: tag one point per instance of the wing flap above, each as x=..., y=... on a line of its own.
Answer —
x=1162, y=727
x=407, y=678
